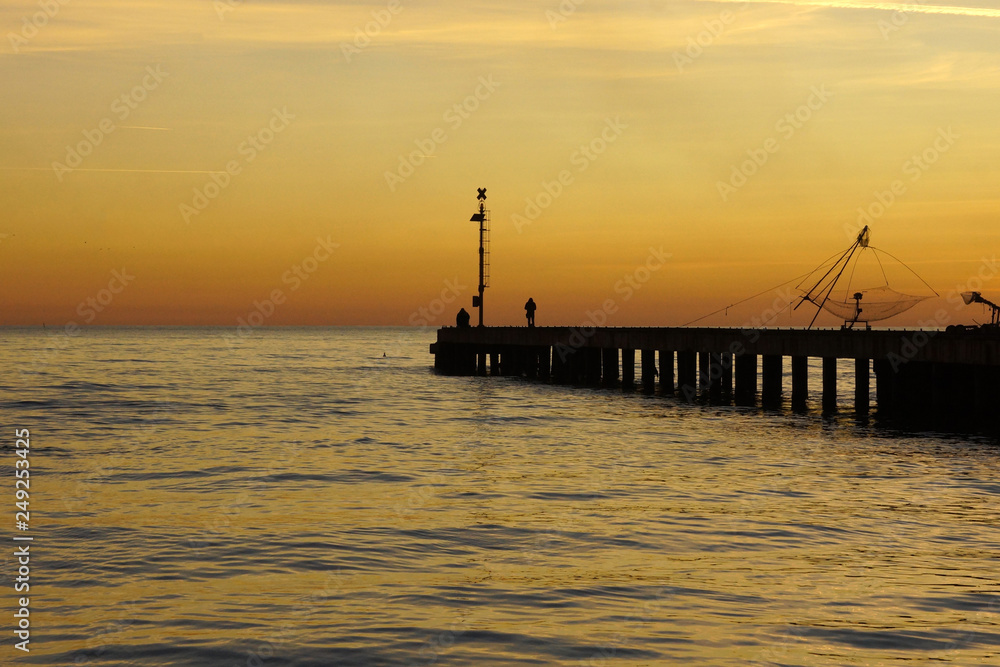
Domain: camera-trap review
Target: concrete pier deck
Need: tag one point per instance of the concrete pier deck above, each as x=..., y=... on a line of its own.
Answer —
x=923, y=377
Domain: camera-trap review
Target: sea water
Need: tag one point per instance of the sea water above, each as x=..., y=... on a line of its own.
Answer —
x=318, y=496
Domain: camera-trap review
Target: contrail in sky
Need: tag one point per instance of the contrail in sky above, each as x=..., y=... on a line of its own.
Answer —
x=129, y=171
x=909, y=7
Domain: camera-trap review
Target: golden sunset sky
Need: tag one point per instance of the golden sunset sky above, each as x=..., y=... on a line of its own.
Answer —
x=356, y=134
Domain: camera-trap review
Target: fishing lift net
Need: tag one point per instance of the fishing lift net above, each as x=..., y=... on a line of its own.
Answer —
x=834, y=292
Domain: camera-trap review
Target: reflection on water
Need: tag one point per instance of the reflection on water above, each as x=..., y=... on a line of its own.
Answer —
x=299, y=499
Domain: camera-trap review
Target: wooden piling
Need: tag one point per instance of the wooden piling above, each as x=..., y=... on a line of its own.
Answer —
x=667, y=372
x=609, y=371
x=771, y=382
x=687, y=374
x=862, y=386
x=726, y=377
x=885, y=378
x=592, y=369
x=648, y=365
x=746, y=379
x=704, y=373
x=628, y=368
x=715, y=379
x=800, y=382
x=829, y=384
x=950, y=379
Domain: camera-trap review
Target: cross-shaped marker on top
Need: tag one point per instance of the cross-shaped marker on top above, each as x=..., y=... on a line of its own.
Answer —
x=482, y=194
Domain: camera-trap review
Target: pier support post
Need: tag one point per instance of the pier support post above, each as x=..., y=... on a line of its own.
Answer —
x=667, y=371
x=704, y=373
x=592, y=355
x=544, y=363
x=457, y=359
x=530, y=356
x=509, y=362
x=829, y=384
x=560, y=369
x=726, y=361
x=648, y=370
x=800, y=383
x=944, y=389
x=746, y=379
x=609, y=363
x=576, y=364
x=885, y=385
x=862, y=386
x=715, y=379
x=915, y=394
x=628, y=368
x=494, y=363
x=687, y=374
x=963, y=393
x=481, y=363
x=985, y=385
x=771, y=385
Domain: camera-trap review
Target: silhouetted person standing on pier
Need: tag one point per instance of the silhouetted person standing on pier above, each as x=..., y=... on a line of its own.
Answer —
x=462, y=319
x=529, y=311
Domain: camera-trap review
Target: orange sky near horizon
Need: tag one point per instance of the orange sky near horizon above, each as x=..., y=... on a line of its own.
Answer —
x=217, y=155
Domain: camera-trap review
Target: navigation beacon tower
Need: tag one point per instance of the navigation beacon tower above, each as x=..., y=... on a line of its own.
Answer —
x=483, y=218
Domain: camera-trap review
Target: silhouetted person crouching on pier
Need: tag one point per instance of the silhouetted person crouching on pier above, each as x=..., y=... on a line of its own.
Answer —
x=529, y=311
x=462, y=319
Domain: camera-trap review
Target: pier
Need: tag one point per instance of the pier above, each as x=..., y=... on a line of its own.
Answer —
x=922, y=377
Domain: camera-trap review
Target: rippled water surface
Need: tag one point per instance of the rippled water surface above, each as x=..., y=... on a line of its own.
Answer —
x=296, y=498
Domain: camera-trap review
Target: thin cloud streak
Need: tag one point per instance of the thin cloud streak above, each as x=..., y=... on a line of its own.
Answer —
x=123, y=171
x=882, y=6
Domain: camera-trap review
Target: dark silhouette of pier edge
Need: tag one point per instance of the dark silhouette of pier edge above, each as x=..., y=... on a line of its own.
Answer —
x=939, y=379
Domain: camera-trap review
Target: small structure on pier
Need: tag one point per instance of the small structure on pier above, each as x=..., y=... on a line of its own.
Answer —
x=871, y=304
x=976, y=297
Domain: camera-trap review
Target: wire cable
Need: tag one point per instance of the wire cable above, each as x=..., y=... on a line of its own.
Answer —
x=913, y=272
x=749, y=298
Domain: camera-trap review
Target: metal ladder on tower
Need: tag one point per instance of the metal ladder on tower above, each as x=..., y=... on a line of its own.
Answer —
x=486, y=249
